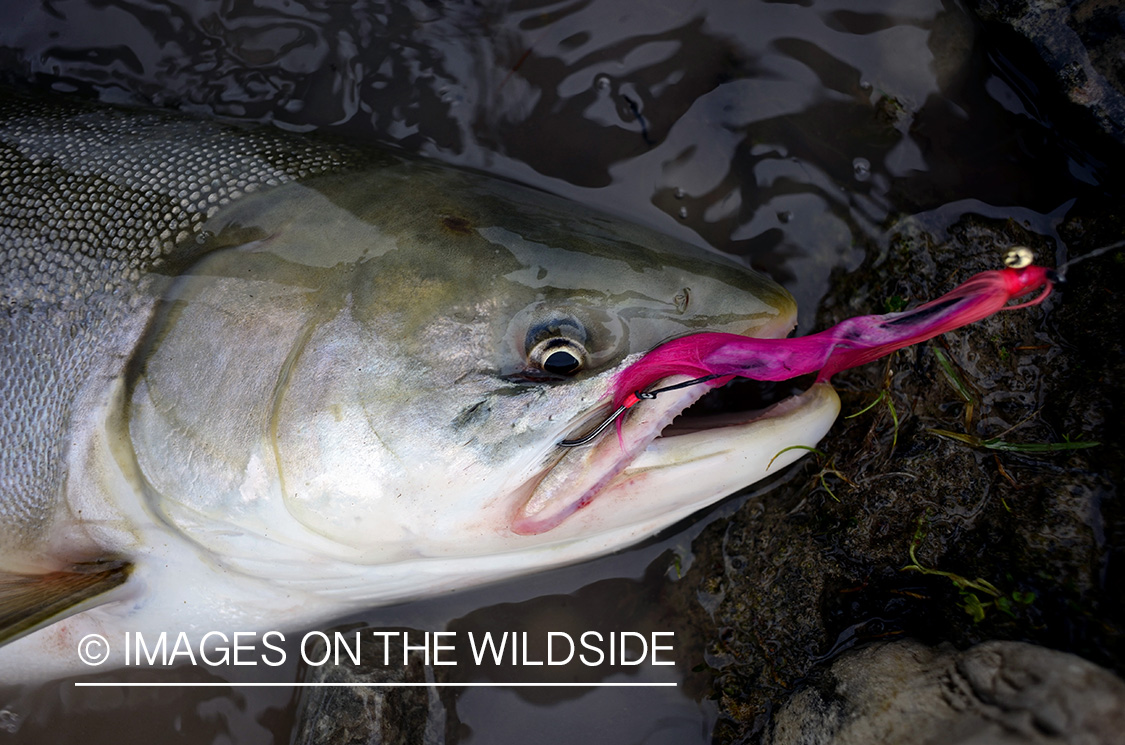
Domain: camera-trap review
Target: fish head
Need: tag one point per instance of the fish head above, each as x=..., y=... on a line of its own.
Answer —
x=379, y=367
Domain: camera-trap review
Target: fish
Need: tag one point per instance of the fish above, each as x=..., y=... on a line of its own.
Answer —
x=251, y=379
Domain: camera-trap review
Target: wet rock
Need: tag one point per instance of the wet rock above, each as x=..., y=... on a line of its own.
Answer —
x=358, y=706
x=1082, y=44
x=1002, y=693
x=997, y=530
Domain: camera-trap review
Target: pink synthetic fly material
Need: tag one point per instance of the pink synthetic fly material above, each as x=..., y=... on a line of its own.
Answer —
x=847, y=344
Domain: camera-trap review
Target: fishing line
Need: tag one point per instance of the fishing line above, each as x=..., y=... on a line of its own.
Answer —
x=630, y=401
x=1060, y=271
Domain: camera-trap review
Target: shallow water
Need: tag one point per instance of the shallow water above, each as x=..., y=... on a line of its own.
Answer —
x=796, y=134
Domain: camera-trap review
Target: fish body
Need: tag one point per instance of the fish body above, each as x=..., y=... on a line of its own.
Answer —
x=253, y=381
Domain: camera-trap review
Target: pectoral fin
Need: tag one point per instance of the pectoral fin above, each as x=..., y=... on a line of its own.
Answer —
x=28, y=601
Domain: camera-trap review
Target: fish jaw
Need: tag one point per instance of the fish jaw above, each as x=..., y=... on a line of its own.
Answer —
x=637, y=475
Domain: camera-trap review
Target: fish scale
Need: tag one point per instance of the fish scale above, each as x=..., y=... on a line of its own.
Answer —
x=73, y=178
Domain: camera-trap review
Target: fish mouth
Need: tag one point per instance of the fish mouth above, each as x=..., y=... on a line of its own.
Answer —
x=673, y=454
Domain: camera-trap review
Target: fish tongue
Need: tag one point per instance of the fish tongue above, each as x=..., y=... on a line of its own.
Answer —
x=584, y=472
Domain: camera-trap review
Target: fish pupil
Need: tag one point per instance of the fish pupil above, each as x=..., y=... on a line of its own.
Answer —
x=561, y=362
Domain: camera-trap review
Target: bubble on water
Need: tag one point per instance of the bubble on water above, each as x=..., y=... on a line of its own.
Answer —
x=862, y=169
x=602, y=82
x=678, y=193
x=784, y=216
x=683, y=213
x=865, y=86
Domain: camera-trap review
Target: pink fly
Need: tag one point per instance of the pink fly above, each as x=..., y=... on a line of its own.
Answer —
x=716, y=358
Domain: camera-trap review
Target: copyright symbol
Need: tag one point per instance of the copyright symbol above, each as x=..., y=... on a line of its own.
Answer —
x=93, y=649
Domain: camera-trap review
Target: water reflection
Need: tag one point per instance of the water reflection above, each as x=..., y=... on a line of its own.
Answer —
x=749, y=110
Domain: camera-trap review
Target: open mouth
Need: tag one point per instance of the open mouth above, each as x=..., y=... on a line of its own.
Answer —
x=684, y=448
x=739, y=401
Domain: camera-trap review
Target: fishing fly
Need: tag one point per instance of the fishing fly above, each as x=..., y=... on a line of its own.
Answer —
x=716, y=358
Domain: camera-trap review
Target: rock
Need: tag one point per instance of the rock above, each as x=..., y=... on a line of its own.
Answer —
x=346, y=714
x=792, y=578
x=1082, y=43
x=1006, y=693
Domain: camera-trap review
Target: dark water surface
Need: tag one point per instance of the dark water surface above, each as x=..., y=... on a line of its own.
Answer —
x=796, y=134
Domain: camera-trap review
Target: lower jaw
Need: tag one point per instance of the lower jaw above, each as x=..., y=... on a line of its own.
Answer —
x=698, y=460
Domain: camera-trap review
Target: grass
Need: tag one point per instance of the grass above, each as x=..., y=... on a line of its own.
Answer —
x=970, y=590
x=959, y=385
x=995, y=443
x=884, y=395
x=828, y=469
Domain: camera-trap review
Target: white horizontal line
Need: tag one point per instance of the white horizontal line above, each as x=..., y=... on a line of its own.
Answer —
x=374, y=685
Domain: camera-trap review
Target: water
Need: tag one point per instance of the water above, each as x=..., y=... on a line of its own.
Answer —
x=795, y=134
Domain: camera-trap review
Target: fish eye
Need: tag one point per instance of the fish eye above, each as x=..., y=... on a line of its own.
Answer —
x=558, y=355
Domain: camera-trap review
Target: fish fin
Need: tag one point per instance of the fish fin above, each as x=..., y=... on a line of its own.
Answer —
x=29, y=601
